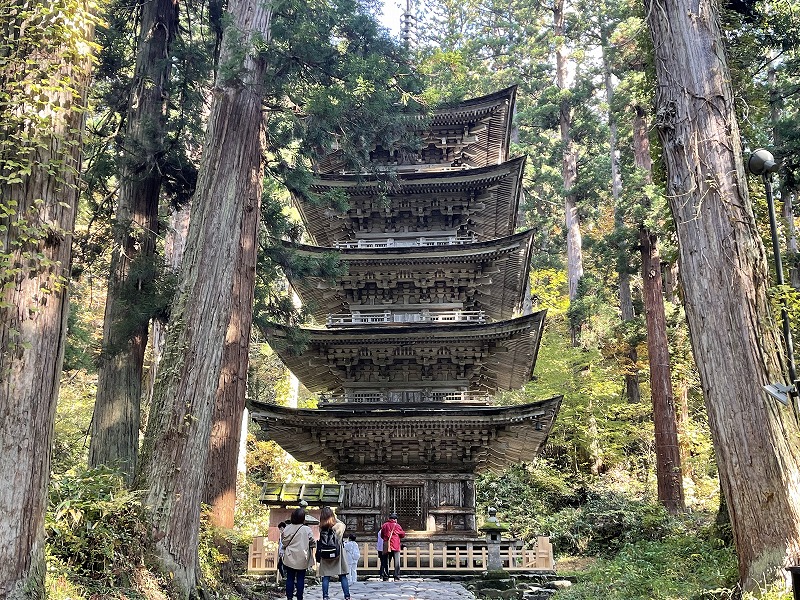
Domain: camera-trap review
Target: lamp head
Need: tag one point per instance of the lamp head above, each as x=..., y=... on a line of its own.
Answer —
x=761, y=162
x=780, y=392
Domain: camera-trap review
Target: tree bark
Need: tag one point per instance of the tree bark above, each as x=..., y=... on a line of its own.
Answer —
x=569, y=162
x=668, y=458
x=44, y=82
x=669, y=474
x=116, y=418
x=221, y=475
x=176, y=445
x=174, y=243
x=724, y=274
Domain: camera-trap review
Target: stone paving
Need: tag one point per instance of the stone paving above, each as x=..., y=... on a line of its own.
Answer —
x=410, y=588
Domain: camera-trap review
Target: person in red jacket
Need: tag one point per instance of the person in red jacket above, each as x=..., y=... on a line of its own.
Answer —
x=392, y=533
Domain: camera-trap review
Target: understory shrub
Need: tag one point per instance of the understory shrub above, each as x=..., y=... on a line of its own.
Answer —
x=683, y=566
x=96, y=529
x=525, y=494
x=605, y=522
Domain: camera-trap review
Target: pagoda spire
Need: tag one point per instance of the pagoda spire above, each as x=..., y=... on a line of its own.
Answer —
x=408, y=23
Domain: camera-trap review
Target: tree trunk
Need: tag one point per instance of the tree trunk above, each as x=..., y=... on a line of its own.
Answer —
x=176, y=447
x=115, y=423
x=626, y=310
x=668, y=457
x=569, y=162
x=44, y=81
x=736, y=343
x=174, y=243
x=220, y=484
x=668, y=454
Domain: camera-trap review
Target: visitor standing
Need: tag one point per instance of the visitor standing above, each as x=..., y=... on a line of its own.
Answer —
x=353, y=553
x=383, y=557
x=392, y=533
x=298, y=542
x=281, y=570
x=330, y=552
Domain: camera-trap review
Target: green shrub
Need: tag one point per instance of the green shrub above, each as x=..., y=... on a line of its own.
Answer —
x=683, y=566
x=524, y=494
x=96, y=528
x=606, y=521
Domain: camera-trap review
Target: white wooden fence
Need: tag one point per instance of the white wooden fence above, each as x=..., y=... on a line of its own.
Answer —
x=469, y=557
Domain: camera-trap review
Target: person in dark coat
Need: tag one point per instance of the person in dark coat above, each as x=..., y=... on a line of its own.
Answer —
x=331, y=567
x=392, y=533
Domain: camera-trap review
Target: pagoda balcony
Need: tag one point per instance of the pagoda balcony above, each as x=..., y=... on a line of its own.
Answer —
x=405, y=397
x=406, y=243
x=388, y=316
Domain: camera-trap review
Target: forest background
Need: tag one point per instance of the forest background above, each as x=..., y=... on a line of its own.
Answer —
x=586, y=81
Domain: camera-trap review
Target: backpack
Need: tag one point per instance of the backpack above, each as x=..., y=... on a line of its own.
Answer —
x=328, y=547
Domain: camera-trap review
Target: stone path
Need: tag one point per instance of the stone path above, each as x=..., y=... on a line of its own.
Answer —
x=410, y=588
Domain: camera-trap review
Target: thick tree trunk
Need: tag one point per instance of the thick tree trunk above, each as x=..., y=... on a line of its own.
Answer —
x=115, y=423
x=665, y=422
x=220, y=484
x=569, y=162
x=44, y=81
x=176, y=445
x=724, y=273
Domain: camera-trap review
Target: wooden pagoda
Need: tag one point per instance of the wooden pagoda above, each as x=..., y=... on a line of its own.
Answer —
x=429, y=322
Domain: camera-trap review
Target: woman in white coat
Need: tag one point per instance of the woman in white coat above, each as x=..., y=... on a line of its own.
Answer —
x=298, y=543
x=330, y=567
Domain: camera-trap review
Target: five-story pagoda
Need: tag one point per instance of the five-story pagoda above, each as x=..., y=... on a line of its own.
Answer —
x=428, y=323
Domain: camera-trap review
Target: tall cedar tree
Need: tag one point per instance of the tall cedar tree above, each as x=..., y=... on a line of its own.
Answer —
x=229, y=186
x=116, y=419
x=669, y=474
x=45, y=74
x=569, y=162
x=725, y=280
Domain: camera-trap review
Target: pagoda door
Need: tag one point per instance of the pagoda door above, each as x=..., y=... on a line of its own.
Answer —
x=406, y=501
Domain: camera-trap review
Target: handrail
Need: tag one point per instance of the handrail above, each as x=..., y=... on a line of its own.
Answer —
x=388, y=316
x=463, y=557
x=401, y=396
x=406, y=243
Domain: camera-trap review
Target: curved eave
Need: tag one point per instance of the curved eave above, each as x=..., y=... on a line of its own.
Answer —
x=422, y=438
x=492, y=114
x=503, y=353
x=498, y=187
x=508, y=258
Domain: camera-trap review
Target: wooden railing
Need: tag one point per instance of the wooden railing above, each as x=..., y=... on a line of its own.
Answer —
x=406, y=242
x=401, y=396
x=469, y=557
x=388, y=316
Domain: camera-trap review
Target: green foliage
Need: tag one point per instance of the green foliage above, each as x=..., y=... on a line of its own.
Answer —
x=604, y=522
x=526, y=494
x=96, y=527
x=683, y=566
x=73, y=416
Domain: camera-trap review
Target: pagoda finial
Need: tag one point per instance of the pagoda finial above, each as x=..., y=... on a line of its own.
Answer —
x=409, y=23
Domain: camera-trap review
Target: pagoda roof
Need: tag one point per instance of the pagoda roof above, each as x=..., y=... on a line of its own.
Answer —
x=490, y=276
x=486, y=121
x=475, y=357
x=483, y=200
x=353, y=439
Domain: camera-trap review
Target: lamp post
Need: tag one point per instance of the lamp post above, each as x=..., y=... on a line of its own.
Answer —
x=761, y=162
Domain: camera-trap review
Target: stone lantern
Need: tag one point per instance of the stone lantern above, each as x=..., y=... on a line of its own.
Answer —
x=493, y=531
